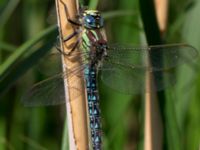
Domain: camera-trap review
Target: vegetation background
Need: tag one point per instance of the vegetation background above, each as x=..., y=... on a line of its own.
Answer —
x=27, y=35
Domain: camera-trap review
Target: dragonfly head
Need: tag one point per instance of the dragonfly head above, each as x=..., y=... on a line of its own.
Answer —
x=92, y=19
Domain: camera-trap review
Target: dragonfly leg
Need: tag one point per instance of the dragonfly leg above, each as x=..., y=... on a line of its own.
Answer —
x=68, y=17
x=65, y=39
x=74, y=46
x=71, y=50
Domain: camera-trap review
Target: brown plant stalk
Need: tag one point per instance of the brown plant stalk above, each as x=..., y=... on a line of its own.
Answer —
x=162, y=14
x=153, y=122
x=76, y=100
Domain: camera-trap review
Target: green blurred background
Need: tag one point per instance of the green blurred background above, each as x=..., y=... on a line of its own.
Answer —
x=28, y=33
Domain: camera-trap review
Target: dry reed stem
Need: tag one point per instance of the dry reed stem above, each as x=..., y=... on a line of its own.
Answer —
x=161, y=7
x=153, y=122
x=76, y=106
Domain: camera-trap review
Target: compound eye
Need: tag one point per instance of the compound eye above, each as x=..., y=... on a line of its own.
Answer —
x=90, y=20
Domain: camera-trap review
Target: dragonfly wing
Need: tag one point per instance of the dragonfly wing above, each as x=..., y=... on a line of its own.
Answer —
x=162, y=57
x=121, y=79
x=51, y=91
x=47, y=92
x=130, y=80
x=50, y=64
x=127, y=55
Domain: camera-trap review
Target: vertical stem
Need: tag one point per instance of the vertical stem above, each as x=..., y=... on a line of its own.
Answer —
x=5, y=15
x=76, y=106
x=162, y=14
x=154, y=117
x=153, y=122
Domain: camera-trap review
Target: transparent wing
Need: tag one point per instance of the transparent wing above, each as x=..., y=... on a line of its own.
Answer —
x=50, y=64
x=51, y=90
x=125, y=69
x=47, y=92
x=162, y=57
x=130, y=80
x=51, y=18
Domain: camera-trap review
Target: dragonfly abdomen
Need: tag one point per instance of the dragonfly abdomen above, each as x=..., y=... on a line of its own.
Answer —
x=93, y=105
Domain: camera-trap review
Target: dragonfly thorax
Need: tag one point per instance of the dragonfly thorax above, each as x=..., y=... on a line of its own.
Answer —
x=98, y=54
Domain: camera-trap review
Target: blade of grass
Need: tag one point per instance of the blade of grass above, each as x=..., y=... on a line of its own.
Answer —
x=117, y=13
x=93, y=4
x=12, y=4
x=150, y=22
x=7, y=47
x=22, y=50
x=24, y=65
x=65, y=138
x=188, y=105
x=5, y=15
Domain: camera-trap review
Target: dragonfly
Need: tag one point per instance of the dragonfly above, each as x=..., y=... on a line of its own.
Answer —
x=121, y=67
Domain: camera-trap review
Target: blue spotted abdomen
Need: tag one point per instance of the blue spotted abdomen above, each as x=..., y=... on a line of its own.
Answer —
x=93, y=106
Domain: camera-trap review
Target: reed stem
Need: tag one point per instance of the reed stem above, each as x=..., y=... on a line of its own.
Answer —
x=154, y=21
x=76, y=105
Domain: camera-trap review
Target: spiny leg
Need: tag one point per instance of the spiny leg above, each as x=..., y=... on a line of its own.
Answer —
x=66, y=39
x=71, y=35
x=68, y=17
x=74, y=46
x=71, y=50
